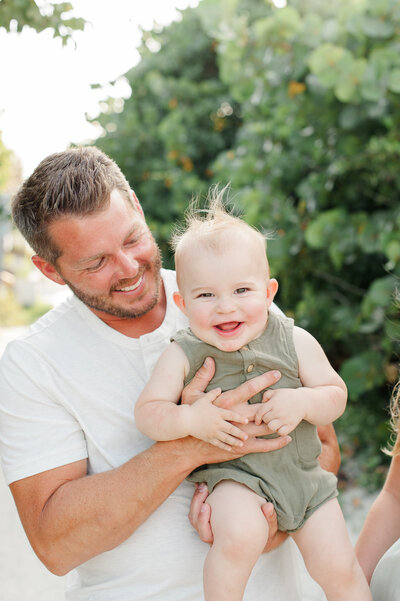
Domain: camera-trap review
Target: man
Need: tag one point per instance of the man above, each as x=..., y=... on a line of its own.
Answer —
x=94, y=495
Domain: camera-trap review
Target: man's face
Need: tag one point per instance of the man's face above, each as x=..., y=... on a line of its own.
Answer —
x=109, y=259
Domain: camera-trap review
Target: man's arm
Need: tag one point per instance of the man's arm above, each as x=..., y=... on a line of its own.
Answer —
x=70, y=517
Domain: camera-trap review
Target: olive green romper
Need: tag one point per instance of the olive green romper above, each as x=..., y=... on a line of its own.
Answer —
x=290, y=477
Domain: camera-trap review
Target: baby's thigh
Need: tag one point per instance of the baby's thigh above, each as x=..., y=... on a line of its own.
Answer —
x=324, y=541
x=236, y=514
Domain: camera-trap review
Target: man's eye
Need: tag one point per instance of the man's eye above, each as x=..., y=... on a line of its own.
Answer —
x=132, y=241
x=241, y=290
x=97, y=265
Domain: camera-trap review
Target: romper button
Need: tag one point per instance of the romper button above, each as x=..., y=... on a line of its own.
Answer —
x=250, y=368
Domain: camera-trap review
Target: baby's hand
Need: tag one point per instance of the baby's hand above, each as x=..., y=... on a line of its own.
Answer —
x=212, y=424
x=282, y=409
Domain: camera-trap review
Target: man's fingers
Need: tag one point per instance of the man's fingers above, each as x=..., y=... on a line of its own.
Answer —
x=203, y=524
x=271, y=517
x=253, y=430
x=261, y=445
x=200, y=513
x=200, y=495
x=275, y=537
x=248, y=389
x=199, y=383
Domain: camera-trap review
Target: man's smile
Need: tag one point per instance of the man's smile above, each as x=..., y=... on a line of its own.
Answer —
x=131, y=287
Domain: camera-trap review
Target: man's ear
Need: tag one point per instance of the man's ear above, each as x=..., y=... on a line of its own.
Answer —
x=47, y=269
x=137, y=204
x=272, y=289
x=179, y=302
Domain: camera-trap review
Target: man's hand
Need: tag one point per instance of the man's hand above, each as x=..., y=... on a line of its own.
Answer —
x=329, y=459
x=230, y=398
x=236, y=400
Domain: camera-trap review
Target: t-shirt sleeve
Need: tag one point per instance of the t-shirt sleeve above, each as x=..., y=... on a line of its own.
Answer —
x=37, y=432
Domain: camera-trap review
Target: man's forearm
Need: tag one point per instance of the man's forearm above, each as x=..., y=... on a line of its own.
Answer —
x=92, y=514
x=70, y=517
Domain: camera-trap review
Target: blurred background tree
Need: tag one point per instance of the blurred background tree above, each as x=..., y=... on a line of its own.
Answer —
x=179, y=116
x=15, y=15
x=297, y=107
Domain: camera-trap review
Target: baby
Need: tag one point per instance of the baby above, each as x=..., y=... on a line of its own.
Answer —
x=226, y=292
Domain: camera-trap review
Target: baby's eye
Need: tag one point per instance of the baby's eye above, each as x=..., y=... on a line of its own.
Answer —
x=241, y=290
x=205, y=295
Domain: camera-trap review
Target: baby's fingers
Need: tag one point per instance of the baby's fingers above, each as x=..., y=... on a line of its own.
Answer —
x=276, y=425
x=232, y=416
x=235, y=434
x=220, y=444
x=259, y=416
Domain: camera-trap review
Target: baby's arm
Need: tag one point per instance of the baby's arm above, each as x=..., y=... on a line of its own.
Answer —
x=158, y=415
x=320, y=401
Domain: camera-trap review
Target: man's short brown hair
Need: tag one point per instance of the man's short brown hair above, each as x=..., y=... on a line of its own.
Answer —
x=77, y=181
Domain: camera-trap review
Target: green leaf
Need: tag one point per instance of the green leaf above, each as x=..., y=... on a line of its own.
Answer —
x=377, y=28
x=392, y=251
x=371, y=87
x=324, y=227
x=350, y=117
x=394, y=81
x=380, y=295
x=327, y=62
x=347, y=88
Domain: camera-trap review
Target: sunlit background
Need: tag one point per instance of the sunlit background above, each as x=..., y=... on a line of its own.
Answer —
x=46, y=88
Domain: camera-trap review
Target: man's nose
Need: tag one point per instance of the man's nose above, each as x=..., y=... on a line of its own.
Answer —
x=127, y=264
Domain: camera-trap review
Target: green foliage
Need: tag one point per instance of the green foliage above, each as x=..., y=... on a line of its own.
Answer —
x=178, y=117
x=310, y=144
x=21, y=13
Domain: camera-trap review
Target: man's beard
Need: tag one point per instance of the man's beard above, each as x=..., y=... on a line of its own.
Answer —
x=105, y=303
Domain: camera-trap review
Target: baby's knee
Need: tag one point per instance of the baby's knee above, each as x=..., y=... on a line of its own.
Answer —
x=237, y=540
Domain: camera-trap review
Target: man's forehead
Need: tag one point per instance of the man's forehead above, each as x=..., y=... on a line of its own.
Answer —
x=92, y=234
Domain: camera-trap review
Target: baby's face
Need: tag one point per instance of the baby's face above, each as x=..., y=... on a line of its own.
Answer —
x=226, y=294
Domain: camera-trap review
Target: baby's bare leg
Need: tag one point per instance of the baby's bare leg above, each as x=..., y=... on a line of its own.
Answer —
x=329, y=555
x=240, y=534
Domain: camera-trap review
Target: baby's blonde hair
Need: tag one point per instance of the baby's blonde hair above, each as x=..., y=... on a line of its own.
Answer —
x=209, y=226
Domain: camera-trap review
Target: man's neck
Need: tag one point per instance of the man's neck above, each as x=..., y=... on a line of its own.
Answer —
x=137, y=326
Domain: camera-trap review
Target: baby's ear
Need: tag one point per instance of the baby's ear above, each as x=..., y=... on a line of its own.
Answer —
x=179, y=302
x=272, y=289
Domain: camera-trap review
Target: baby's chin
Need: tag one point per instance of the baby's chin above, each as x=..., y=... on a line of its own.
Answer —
x=229, y=346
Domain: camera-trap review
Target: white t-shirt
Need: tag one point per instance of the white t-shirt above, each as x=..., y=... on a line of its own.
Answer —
x=385, y=583
x=67, y=392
